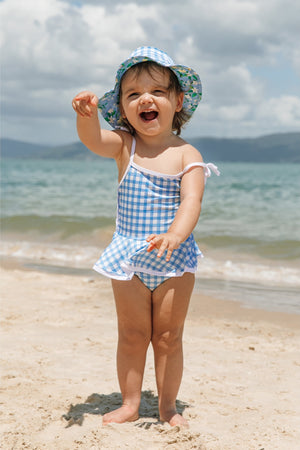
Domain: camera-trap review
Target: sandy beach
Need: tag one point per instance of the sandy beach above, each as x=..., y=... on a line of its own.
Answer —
x=240, y=389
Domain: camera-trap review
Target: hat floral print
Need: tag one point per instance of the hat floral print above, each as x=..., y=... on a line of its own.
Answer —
x=188, y=79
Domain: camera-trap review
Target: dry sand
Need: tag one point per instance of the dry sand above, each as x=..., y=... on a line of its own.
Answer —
x=240, y=390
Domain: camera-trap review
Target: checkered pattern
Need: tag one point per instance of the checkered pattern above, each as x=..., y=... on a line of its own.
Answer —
x=147, y=203
x=154, y=54
x=151, y=281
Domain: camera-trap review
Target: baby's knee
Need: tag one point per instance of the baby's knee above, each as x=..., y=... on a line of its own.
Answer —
x=134, y=339
x=168, y=341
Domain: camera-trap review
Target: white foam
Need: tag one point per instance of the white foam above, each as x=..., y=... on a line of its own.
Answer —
x=75, y=256
x=279, y=275
x=209, y=268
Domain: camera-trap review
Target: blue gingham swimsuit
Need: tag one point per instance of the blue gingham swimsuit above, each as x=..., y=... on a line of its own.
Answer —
x=147, y=204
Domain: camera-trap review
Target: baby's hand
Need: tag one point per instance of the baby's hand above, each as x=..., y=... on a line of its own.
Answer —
x=85, y=104
x=166, y=241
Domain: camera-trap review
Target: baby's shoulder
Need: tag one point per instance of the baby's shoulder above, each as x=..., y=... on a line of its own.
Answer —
x=190, y=154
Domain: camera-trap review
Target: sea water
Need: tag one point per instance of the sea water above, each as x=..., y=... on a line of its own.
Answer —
x=61, y=213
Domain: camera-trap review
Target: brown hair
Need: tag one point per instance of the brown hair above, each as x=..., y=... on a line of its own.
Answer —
x=180, y=117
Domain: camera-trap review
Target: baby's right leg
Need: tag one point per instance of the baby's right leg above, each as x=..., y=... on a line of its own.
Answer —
x=133, y=305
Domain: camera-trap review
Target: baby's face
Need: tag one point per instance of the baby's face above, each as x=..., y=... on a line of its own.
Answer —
x=146, y=100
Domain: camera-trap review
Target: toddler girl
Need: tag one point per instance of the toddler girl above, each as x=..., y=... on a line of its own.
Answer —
x=153, y=255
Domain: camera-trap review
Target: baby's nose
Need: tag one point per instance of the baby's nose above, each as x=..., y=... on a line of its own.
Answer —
x=146, y=98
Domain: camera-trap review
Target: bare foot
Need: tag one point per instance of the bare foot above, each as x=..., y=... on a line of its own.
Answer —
x=176, y=419
x=121, y=415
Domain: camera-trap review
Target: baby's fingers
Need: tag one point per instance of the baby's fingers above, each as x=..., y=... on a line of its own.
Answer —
x=149, y=238
x=84, y=103
x=78, y=107
x=152, y=239
x=169, y=254
x=88, y=97
x=165, y=245
x=151, y=246
x=162, y=244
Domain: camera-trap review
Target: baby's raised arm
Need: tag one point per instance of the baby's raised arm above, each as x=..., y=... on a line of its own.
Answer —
x=103, y=142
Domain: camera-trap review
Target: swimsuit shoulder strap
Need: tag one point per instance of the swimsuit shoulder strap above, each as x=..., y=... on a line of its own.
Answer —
x=132, y=151
x=208, y=168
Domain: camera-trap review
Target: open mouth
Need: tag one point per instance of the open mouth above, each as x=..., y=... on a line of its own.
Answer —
x=147, y=116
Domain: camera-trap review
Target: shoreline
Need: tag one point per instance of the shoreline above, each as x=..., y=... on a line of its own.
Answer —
x=58, y=344
x=202, y=287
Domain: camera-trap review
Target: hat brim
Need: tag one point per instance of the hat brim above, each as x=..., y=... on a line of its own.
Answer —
x=188, y=79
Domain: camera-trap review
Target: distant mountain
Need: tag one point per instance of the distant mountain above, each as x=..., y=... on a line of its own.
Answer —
x=18, y=149
x=11, y=148
x=275, y=148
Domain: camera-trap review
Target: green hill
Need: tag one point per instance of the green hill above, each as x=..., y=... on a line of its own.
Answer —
x=272, y=148
x=275, y=148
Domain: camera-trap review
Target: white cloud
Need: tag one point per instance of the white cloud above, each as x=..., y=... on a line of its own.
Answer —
x=283, y=111
x=52, y=49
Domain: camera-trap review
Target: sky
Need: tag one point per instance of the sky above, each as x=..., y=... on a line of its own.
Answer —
x=246, y=52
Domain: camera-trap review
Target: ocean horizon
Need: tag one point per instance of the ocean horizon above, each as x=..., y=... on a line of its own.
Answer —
x=61, y=214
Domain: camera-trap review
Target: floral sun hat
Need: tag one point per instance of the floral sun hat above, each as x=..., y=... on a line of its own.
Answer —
x=188, y=79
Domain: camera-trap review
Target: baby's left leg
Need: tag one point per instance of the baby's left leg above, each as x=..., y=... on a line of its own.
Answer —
x=170, y=303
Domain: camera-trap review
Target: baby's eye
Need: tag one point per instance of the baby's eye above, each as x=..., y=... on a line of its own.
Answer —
x=133, y=94
x=159, y=91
